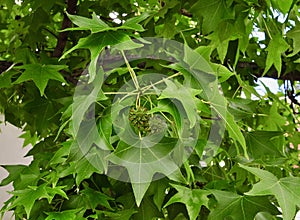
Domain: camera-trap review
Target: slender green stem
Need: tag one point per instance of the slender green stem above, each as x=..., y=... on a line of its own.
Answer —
x=267, y=29
x=131, y=71
x=160, y=81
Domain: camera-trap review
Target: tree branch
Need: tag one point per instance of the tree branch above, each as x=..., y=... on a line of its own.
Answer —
x=4, y=65
x=63, y=36
x=184, y=12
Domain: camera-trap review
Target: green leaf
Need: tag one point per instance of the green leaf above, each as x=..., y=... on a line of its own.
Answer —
x=93, y=162
x=283, y=5
x=220, y=41
x=61, y=154
x=5, y=79
x=249, y=90
x=277, y=46
x=82, y=102
x=286, y=190
x=294, y=34
x=63, y=215
x=185, y=96
x=29, y=176
x=265, y=144
x=14, y=173
x=232, y=127
x=147, y=210
x=272, y=120
x=234, y=206
x=96, y=43
x=29, y=138
x=133, y=23
x=27, y=197
x=94, y=25
x=223, y=72
x=94, y=198
x=42, y=111
x=193, y=199
x=105, y=128
x=213, y=12
x=40, y=74
x=120, y=215
x=142, y=160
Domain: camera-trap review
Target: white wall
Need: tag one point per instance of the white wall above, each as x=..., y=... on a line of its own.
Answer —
x=11, y=152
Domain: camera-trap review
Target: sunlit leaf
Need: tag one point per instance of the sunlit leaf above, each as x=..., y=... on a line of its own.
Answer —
x=286, y=190
x=276, y=48
x=97, y=42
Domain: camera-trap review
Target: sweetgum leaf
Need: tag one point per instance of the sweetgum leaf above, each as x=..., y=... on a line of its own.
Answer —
x=40, y=74
x=142, y=161
x=94, y=25
x=97, y=42
x=286, y=190
x=276, y=48
x=5, y=79
x=14, y=173
x=193, y=199
x=63, y=215
x=28, y=196
x=232, y=127
x=265, y=143
x=237, y=207
x=294, y=34
x=283, y=5
x=213, y=12
x=185, y=96
x=94, y=198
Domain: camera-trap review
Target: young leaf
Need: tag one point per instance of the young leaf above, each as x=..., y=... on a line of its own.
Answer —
x=234, y=206
x=94, y=25
x=276, y=48
x=96, y=43
x=133, y=23
x=193, y=199
x=40, y=74
x=286, y=190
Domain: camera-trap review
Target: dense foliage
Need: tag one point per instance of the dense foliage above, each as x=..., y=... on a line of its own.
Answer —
x=89, y=97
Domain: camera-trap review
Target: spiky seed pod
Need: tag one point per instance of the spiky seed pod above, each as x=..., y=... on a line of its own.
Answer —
x=139, y=120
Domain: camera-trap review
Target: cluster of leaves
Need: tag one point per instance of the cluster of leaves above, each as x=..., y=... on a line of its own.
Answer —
x=253, y=174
